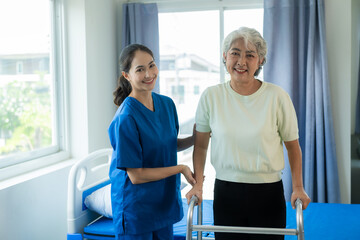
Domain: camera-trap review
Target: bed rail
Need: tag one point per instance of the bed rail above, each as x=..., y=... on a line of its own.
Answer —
x=299, y=231
x=85, y=174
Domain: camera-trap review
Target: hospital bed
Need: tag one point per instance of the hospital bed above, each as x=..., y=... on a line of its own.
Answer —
x=320, y=220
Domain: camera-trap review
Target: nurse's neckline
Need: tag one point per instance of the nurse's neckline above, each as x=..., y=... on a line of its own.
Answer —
x=151, y=108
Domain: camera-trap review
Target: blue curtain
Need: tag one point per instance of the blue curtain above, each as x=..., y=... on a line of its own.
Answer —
x=297, y=61
x=140, y=25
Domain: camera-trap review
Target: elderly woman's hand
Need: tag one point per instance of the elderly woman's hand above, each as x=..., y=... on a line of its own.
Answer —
x=299, y=192
x=197, y=191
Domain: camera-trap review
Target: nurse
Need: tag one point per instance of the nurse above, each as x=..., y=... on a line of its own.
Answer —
x=144, y=174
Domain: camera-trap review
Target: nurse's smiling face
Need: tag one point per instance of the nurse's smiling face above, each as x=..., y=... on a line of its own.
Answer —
x=143, y=72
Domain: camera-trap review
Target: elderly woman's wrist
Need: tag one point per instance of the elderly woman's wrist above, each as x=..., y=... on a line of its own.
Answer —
x=199, y=183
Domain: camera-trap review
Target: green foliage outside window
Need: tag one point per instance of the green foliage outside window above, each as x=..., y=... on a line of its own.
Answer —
x=25, y=116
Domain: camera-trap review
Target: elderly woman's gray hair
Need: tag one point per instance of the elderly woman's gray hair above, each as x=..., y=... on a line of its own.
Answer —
x=249, y=35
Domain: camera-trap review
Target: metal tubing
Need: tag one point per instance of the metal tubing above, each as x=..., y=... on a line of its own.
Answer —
x=299, y=220
x=257, y=230
x=189, y=226
x=199, y=220
x=299, y=231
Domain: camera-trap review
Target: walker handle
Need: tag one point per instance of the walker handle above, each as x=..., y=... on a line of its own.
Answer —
x=299, y=219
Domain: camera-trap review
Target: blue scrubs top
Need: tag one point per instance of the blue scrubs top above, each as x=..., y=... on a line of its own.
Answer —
x=144, y=139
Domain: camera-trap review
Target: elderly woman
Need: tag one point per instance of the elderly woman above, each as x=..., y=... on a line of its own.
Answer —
x=249, y=120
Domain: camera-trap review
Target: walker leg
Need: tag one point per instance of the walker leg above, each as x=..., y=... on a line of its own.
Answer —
x=199, y=233
x=299, y=220
x=189, y=224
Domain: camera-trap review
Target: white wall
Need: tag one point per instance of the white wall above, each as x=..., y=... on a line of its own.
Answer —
x=92, y=72
x=101, y=62
x=36, y=208
x=338, y=33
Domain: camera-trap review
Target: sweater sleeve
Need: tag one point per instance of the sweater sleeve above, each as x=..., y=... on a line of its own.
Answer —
x=287, y=120
x=202, y=117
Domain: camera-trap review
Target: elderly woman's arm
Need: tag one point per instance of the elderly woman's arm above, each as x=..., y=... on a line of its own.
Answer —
x=295, y=160
x=199, y=158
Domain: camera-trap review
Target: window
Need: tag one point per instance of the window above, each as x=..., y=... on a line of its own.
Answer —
x=247, y=17
x=196, y=90
x=178, y=93
x=195, y=59
x=19, y=67
x=191, y=41
x=28, y=81
x=190, y=59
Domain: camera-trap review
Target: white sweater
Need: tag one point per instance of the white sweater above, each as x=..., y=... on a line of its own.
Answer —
x=247, y=132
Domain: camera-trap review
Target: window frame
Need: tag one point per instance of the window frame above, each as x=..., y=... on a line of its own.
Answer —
x=9, y=165
x=172, y=6
x=168, y=6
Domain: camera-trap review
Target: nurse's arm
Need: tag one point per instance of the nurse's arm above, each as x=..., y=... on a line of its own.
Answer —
x=184, y=143
x=144, y=175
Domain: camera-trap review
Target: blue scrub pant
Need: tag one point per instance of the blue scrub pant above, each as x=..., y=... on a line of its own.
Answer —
x=161, y=234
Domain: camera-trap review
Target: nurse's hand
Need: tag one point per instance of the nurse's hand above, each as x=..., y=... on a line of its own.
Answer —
x=188, y=174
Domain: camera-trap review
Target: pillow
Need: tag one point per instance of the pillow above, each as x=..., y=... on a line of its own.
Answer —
x=100, y=201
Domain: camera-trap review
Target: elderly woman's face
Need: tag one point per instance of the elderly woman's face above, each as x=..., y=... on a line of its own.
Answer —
x=242, y=61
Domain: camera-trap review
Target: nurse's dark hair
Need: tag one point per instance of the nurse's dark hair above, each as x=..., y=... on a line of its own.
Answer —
x=126, y=57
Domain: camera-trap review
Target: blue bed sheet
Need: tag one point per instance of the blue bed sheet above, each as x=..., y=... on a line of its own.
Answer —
x=327, y=221
x=103, y=228
x=322, y=221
